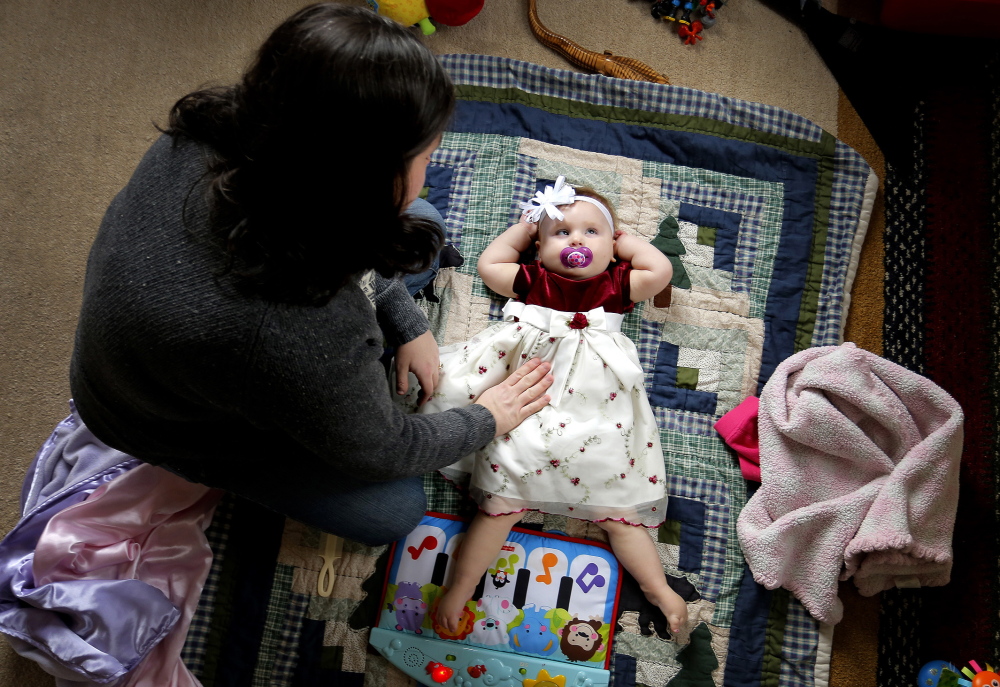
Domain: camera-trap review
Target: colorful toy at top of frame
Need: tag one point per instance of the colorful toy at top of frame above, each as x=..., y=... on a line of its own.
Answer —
x=944, y=674
x=691, y=16
x=420, y=12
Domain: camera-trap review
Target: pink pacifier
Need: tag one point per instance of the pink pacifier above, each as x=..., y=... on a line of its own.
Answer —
x=576, y=256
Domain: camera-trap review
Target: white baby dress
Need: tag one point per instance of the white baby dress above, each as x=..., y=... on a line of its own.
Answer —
x=594, y=452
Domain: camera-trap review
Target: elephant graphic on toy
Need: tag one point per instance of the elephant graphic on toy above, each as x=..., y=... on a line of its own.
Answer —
x=534, y=635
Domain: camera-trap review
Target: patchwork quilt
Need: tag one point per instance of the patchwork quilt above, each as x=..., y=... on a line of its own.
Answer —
x=764, y=215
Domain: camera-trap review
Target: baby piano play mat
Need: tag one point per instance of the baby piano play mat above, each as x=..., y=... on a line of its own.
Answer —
x=542, y=615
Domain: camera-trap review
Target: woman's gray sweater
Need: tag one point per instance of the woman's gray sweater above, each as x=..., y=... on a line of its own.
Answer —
x=173, y=364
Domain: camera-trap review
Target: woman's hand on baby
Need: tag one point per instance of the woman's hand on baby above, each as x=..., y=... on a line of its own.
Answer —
x=419, y=356
x=520, y=395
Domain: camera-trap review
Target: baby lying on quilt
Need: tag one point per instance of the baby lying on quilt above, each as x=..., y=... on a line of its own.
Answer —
x=594, y=452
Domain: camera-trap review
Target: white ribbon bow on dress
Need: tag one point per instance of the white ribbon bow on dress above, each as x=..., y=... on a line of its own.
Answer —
x=595, y=332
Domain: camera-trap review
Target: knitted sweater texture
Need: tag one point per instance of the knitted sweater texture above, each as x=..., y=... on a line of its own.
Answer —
x=173, y=364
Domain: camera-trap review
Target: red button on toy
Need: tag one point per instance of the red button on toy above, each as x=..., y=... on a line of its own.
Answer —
x=439, y=672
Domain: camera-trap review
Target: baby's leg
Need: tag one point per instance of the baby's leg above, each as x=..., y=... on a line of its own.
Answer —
x=479, y=548
x=637, y=553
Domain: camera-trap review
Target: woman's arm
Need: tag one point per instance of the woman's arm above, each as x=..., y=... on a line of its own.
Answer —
x=399, y=317
x=498, y=264
x=406, y=328
x=651, y=269
x=315, y=377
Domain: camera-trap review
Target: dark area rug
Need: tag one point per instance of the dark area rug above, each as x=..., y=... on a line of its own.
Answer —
x=941, y=320
x=936, y=120
x=935, y=115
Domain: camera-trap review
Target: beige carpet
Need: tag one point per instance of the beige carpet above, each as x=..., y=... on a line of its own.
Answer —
x=81, y=84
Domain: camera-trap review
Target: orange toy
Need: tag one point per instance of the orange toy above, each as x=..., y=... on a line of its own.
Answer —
x=982, y=678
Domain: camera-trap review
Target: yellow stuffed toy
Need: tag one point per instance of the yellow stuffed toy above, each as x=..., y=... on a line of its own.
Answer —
x=406, y=12
x=410, y=12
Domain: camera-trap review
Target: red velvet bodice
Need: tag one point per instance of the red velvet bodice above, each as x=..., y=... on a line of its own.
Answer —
x=535, y=285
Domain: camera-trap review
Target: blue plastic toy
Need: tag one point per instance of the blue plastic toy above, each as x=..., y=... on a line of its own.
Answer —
x=930, y=673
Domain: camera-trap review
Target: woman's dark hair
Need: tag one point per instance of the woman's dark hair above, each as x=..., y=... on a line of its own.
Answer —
x=311, y=149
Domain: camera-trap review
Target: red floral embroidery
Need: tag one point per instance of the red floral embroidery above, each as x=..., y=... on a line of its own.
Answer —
x=579, y=321
x=654, y=479
x=538, y=471
x=494, y=467
x=575, y=481
x=570, y=390
x=582, y=449
x=501, y=354
x=554, y=462
x=552, y=339
x=482, y=370
x=472, y=397
x=506, y=437
x=613, y=395
x=619, y=425
x=562, y=424
x=622, y=475
x=523, y=356
x=631, y=462
x=649, y=444
x=653, y=509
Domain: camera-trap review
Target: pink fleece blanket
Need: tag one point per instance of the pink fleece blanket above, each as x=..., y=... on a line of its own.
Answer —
x=859, y=462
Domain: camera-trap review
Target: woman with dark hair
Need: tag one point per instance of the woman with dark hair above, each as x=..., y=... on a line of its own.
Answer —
x=243, y=285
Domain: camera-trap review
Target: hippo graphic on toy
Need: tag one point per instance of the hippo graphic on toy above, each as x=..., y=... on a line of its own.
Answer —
x=410, y=607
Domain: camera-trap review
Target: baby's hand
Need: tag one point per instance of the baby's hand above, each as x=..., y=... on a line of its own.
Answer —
x=530, y=227
x=614, y=244
x=626, y=245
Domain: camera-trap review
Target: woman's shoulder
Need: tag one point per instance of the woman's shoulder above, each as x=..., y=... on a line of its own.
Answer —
x=169, y=155
x=347, y=320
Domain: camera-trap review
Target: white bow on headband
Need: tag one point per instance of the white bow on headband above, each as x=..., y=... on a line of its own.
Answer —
x=560, y=194
x=547, y=200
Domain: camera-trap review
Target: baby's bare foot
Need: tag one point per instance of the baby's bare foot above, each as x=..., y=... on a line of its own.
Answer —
x=673, y=607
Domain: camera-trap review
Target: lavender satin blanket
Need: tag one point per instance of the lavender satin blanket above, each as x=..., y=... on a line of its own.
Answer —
x=108, y=558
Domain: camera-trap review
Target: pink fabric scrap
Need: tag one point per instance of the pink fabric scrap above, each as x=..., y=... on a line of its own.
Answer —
x=147, y=525
x=859, y=462
x=738, y=428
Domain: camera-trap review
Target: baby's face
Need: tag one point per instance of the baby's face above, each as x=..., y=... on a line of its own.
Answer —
x=583, y=225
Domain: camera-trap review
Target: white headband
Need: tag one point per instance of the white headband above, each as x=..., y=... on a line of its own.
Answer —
x=560, y=194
